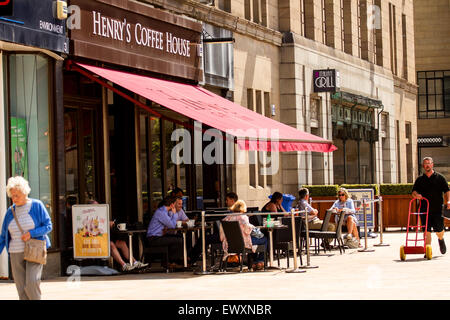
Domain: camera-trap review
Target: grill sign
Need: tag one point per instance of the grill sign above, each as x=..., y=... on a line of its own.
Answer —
x=326, y=80
x=6, y=7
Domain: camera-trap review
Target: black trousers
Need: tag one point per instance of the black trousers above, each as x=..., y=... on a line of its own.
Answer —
x=197, y=249
x=174, y=242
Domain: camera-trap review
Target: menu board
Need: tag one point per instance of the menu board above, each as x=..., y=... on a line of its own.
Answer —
x=90, y=231
x=358, y=195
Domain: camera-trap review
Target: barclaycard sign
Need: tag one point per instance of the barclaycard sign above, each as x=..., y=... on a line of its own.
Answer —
x=326, y=80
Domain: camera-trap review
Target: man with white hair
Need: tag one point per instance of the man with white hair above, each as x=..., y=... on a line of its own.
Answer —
x=431, y=185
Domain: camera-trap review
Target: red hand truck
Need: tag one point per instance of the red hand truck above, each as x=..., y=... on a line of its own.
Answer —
x=416, y=248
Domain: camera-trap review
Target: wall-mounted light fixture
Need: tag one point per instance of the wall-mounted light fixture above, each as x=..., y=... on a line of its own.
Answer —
x=207, y=38
x=60, y=9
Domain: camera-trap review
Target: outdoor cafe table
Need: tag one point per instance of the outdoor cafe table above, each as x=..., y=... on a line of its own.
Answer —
x=270, y=229
x=185, y=229
x=130, y=241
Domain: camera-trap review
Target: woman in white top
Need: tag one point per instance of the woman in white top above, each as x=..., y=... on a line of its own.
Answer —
x=36, y=223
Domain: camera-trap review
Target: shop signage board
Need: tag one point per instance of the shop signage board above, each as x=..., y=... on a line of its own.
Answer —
x=358, y=195
x=138, y=36
x=32, y=23
x=19, y=150
x=326, y=80
x=90, y=223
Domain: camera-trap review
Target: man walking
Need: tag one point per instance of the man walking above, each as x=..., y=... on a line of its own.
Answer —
x=431, y=185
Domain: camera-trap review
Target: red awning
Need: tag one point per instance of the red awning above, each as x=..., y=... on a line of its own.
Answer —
x=252, y=130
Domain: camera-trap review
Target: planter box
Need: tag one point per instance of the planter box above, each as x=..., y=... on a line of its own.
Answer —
x=395, y=210
x=322, y=207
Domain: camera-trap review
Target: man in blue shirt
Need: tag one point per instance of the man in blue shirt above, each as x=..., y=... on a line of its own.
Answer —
x=165, y=218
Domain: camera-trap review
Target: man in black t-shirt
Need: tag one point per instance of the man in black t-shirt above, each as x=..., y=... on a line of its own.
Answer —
x=431, y=185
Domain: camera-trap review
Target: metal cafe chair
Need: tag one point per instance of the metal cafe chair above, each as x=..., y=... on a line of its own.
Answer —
x=236, y=244
x=336, y=235
x=283, y=238
x=319, y=234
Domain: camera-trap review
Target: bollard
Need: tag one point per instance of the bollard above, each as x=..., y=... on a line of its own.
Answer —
x=380, y=219
x=203, y=271
x=294, y=246
x=365, y=230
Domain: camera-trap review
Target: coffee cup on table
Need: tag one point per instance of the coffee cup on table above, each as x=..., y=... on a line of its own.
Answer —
x=179, y=224
x=122, y=226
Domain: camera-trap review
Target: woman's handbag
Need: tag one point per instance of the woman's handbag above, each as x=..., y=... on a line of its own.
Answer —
x=35, y=250
x=256, y=232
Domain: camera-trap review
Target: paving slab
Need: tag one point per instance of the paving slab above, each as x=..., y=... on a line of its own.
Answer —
x=354, y=275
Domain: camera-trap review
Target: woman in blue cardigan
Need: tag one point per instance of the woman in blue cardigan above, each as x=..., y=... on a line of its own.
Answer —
x=35, y=223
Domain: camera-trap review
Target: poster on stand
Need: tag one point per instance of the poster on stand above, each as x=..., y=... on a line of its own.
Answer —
x=358, y=195
x=90, y=223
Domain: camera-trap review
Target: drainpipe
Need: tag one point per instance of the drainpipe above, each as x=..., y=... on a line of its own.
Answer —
x=378, y=124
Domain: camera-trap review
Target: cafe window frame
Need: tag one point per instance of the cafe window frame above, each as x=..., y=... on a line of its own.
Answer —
x=39, y=190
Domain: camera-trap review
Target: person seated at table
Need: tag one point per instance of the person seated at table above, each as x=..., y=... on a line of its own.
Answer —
x=345, y=204
x=230, y=200
x=119, y=241
x=274, y=205
x=314, y=223
x=246, y=228
x=165, y=218
x=176, y=192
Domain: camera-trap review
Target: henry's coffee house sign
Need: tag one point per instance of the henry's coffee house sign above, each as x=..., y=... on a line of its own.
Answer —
x=326, y=80
x=135, y=35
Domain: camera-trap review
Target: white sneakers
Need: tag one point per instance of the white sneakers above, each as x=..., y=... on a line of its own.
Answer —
x=138, y=264
x=349, y=237
x=127, y=267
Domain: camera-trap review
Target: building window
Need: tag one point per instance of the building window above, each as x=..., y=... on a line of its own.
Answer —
x=405, y=48
x=347, y=26
x=393, y=38
x=310, y=31
x=29, y=103
x=342, y=25
x=359, y=22
x=378, y=39
x=256, y=11
x=324, y=22
x=302, y=17
x=434, y=94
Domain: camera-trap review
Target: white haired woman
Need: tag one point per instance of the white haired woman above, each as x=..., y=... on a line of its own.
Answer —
x=35, y=223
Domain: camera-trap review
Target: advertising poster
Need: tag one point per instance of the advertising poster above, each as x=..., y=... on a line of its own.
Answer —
x=358, y=195
x=19, y=147
x=90, y=231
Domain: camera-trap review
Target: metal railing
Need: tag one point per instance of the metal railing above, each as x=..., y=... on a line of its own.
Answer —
x=380, y=219
x=292, y=213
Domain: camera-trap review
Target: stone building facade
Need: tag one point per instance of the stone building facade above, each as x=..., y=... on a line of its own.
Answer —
x=432, y=40
x=372, y=120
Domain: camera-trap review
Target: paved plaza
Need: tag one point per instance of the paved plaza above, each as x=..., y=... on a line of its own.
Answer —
x=353, y=275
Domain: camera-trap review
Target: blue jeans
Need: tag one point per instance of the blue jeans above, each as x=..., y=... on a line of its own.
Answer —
x=259, y=257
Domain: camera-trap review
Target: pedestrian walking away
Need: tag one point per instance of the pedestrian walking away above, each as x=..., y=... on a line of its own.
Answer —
x=432, y=185
x=35, y=222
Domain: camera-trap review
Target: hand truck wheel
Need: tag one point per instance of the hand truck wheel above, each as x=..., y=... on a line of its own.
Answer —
x=402, y=253
x=428, y=252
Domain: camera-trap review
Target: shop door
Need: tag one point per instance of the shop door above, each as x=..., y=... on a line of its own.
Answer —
x=81, y=156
